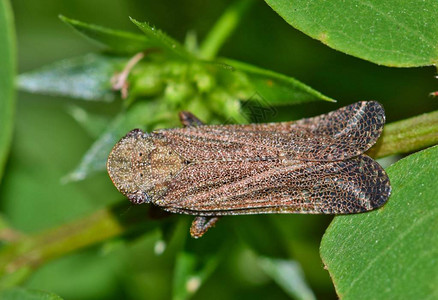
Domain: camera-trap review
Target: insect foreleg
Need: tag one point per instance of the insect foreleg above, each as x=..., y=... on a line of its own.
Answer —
x=189, y=120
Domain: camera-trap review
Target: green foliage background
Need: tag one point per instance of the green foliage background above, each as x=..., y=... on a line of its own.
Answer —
x=246, y=257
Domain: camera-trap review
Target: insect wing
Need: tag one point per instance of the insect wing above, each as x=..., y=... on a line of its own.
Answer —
x=231, y=188
x=338, y=135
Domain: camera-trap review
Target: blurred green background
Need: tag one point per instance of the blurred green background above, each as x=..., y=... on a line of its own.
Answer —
x=48, y=144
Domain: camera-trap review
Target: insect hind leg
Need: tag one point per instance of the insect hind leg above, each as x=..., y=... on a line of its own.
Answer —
x=201, y=224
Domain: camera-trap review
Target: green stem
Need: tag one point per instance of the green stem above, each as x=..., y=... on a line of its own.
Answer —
x=26, y=253
x=20, y=258
x=406, y=136
x=7, y=84
x=223, y=28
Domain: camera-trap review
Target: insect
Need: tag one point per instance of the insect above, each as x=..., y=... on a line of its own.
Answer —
x=313, y=165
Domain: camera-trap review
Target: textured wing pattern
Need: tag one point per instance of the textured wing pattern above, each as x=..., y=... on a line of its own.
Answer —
x=338, y=135
x=231, y=188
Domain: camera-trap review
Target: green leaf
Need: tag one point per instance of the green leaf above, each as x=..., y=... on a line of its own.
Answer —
x=113, y=40
x=27, y=294
x=7, y=76
x=275, y=88
x=390, y=253
x=93, y=124
x=393, y=33
x=86, y=77
x=190, y=274
x=288, y=275
x=157, y=38
x=137, y=116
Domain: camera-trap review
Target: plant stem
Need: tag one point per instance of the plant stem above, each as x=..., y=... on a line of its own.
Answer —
x=406, y=136
x=18, y=259
x=7, y=84
x=223, y=28
x=25, y=253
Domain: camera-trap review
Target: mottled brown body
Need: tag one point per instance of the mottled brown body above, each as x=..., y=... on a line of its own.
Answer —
x=313, y=165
